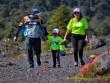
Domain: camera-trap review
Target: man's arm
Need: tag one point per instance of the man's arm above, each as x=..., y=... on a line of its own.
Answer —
x=43, y=25
x=18, y=31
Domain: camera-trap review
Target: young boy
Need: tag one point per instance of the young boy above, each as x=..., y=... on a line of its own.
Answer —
x=55, y=42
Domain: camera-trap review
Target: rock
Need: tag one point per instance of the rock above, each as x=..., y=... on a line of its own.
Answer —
x=103, y=64
x=5, y=64
x=11, y=63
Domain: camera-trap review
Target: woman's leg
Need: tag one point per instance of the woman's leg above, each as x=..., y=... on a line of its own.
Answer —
x=75, y=49
x=80, y=49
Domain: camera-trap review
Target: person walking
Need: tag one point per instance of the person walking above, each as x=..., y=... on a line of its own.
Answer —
x=55, y=42
x=32, y=25
x=77, y=26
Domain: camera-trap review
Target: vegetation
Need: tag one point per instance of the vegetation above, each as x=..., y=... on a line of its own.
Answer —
x=57, y=14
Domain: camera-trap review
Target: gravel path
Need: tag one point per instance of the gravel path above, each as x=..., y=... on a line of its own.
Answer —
x=15, y=70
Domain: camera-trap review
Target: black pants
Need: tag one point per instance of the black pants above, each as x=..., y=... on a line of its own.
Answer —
x=56, y=57
x=34, y=44
x=78, y=45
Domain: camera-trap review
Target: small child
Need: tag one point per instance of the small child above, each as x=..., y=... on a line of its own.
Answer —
x=55, y=42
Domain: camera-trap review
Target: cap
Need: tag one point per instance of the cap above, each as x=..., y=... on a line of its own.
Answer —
x=76, y=10
x=56, y=30
x=35, y=11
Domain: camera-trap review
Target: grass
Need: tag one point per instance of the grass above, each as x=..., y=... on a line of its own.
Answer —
x=90, y=74
x=79, y=78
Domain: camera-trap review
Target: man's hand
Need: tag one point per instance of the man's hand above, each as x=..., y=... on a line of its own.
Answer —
x=15, y=38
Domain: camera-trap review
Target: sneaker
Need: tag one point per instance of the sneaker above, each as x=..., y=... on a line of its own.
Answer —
x=82, y=63
x=76, y=64
x=38, y=64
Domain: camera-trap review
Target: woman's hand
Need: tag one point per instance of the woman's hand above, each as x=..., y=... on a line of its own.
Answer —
x=65, y=37
x=86, y=39
x=64, y=40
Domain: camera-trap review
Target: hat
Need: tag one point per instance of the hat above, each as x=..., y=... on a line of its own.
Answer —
x=76, y=10
x=56, y=30
x=35, y=11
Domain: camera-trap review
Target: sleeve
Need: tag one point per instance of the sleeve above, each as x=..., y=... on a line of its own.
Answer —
x=21, y=25
x=41, y=23
x=69, y=26
x=86, y=24
x=18, y=31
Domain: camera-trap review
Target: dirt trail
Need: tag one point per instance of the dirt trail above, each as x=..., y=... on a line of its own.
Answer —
x=14, y=70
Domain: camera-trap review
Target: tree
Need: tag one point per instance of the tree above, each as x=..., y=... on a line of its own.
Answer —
x=59, y=18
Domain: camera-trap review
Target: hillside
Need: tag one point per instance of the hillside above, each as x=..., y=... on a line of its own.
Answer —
x=12, y=11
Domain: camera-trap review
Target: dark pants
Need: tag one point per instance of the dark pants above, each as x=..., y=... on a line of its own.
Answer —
x=34, y=44
x=56, y=57
x=78, y=45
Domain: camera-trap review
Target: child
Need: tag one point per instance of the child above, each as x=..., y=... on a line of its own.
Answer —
x=55, y=42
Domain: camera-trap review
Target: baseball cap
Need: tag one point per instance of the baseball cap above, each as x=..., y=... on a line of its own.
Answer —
x=56, y=30
x=35, y=11
x=76, y=10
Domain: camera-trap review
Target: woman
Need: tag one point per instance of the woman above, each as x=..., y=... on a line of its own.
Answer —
x=77, y=27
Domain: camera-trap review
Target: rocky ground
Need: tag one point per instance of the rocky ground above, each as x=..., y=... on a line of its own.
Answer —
x=14, y=70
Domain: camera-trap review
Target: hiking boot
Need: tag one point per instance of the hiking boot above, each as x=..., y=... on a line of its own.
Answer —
x=58, y=65
x=31, y=66
x=38, y=64
x=54, y=66
x=76, y=64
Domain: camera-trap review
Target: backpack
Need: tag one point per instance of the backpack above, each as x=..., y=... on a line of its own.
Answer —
x=42, y=31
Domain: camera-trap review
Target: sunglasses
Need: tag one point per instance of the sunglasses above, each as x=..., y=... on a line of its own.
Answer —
x=76, y=12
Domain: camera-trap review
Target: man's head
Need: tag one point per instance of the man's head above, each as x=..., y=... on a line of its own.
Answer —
x=35, y=11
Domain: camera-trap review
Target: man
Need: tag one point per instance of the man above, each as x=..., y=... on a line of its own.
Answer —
x=32, y=25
